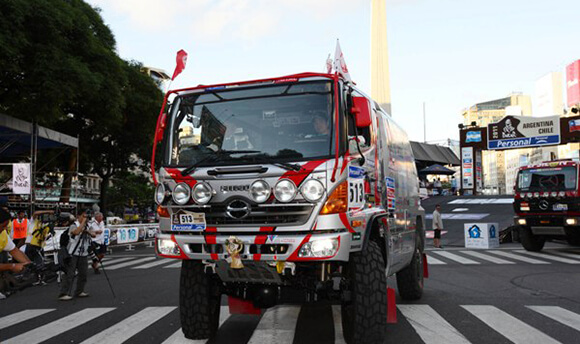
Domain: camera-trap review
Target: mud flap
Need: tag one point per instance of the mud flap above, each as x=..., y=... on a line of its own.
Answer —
x=425, y=267
x=239, y=306
x=391, y=306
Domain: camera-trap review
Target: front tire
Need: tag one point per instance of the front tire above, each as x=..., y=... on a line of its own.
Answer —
x=410, y=279
x=530, y=241
x=364, y=316
x=199, y=302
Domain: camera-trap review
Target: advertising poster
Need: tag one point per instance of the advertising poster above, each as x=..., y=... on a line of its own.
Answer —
x=573, y=83
x=523, y=131
x=21, y=179
x=467, y=167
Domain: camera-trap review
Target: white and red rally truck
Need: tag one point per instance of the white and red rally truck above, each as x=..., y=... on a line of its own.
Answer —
x=547, y=203
x=283, y=190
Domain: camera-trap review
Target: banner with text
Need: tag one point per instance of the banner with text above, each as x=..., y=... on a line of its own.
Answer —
x=523, y=131
x=467, y=167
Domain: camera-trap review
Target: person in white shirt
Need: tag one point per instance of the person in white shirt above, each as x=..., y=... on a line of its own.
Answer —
x=98, y=226
x=437, y=226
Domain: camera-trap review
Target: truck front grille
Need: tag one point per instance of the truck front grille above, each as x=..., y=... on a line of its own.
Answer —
x=271, y=214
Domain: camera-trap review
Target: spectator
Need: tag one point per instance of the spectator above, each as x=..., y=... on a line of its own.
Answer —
x=437, y=185
x=98, y=226
x=37, y=238
x=78, y=247
x=453, y=185
x=20, y=229
x=7, y=245
x=437, y=226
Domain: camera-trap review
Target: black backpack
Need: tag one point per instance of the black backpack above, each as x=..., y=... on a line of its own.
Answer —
x=64, y=239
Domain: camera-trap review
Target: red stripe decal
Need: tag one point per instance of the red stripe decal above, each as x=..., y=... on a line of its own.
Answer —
x=257, y=257
x=298, y=176
x=315, y=225
x=267, y=229
x=344, y=221
x=214, y=256
x=175, y=174
x=211, y=239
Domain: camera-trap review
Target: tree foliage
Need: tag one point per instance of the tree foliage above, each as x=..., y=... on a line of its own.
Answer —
x=59, y=67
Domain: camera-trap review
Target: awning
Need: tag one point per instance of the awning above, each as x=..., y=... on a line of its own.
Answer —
x=434, y=154
x=437, y=169
x=15, y=137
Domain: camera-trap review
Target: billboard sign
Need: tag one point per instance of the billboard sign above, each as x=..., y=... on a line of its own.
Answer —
x=522, y=132
x=573, y=83
x=473, y=136
x=467, y=167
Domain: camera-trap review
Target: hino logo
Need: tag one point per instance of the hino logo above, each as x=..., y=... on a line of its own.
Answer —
x=230, y=188
x=544, y=204
x=238, y=209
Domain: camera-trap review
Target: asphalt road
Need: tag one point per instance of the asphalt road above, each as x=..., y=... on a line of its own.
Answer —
x=472, y=296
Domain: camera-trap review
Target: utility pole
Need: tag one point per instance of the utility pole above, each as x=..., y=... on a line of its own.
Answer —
x=424, y=125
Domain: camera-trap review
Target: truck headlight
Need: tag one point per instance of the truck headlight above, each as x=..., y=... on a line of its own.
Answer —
x=181, y=193
x=285, y=190
x=312, y=190
x=320, y=248
x=522, y=222
x=168, y=247
x=260, y=191
x=202, y=193
x=571, y=222
x=160, y=193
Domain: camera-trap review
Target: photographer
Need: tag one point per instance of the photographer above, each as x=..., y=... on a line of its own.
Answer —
x=6, y=245
x=78, y=248
x=98, y=226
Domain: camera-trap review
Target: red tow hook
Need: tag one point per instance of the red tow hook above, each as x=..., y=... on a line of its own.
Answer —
x=425, y=267
x=391, y=306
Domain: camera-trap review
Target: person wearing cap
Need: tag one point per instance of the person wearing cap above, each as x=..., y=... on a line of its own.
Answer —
x=7, y=245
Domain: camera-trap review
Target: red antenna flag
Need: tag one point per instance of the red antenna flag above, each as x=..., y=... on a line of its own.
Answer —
x=181, y=61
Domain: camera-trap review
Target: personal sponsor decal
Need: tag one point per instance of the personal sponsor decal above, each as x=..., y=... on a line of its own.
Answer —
x=188, y=221
x=356, y=195
x=391, y=192
x=356, y=236
x=521, y=131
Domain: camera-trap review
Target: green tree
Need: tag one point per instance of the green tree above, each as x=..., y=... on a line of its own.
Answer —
x=59, y=67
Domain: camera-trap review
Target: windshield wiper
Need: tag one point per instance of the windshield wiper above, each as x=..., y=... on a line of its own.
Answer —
x=288, y=166
x=215, y=155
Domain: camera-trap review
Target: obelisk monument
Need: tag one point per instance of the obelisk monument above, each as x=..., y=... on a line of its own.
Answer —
x=380, y=82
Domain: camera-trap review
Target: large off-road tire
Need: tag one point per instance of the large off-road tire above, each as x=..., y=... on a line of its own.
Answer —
x=573, y=240
x=199, y=302
x=364, y=316
x=410, y=279
x=530, y=241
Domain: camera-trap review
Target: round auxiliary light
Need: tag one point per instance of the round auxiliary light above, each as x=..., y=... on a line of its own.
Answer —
x=181, y=193
x=529, y=194
x=260, y=191
x=160, y=193
x=201, y=193
x=285, y=190
x=312, y=190
x=561, y=194
x=554, y=194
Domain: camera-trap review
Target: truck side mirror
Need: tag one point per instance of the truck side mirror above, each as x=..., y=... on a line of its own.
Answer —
x=362, y=111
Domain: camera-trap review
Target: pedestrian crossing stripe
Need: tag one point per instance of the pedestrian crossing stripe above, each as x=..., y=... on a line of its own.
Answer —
x=278, y=324
x=434, y=257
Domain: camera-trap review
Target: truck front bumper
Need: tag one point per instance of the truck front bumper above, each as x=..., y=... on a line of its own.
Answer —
x=269, y=246
x=548, y=225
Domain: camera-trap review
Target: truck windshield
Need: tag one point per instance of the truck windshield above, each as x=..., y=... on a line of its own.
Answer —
x=254, y=125
x=548, y=179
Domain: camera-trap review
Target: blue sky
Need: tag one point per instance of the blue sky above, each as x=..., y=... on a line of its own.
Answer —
x=448, y=53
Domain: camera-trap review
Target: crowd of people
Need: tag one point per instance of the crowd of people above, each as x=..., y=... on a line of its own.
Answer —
x=22, y=240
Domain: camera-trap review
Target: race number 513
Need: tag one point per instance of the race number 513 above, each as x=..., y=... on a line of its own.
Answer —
x=356, y=193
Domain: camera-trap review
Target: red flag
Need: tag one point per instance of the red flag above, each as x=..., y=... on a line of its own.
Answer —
x=181, y=61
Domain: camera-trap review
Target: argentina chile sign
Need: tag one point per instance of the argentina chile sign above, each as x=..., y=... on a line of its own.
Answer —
x=521, y=132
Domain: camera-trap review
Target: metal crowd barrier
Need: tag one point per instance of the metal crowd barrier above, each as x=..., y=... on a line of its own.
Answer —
x=115, y=235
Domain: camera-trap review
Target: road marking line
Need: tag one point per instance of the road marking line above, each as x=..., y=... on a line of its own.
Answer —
x=112, y=261
x=132, y=262
x=24, y=315
x=564, y=254
x=55, y=328
x=518, y=257
x=277, y=325
x=508, y=326
x=129, y=327
x=548, y=256
x=434, y=261
x=174, y=265
x=559, y=314
x=338, y=333
x=487, y=257
x=179, y=338
x=155, y=263
x=456, y=258
x=430, y=326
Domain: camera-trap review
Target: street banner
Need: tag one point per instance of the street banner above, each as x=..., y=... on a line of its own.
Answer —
x=573, y=83
x=127, y=235
x=523, y=131
x=181, y=60
x=21, y=179
x=340, y=63
x=467, y=167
